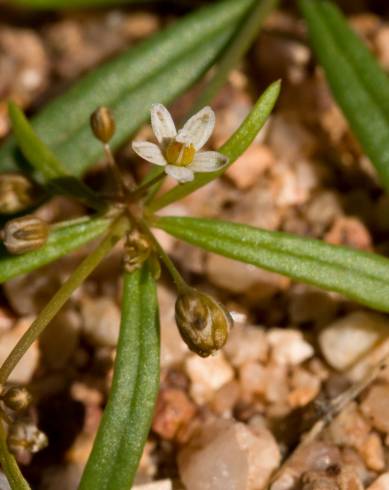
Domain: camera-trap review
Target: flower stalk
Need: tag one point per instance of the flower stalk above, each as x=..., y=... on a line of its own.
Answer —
x=117, y=231
x=9, y=464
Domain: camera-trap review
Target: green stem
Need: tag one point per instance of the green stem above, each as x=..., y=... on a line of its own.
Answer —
x=237, y=48
x=115, y=172
x=9, y=464
x=176, y=276
x=117, y=230
x=144, y=186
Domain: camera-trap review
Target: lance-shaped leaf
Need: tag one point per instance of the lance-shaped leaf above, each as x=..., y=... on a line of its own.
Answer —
x=61, y=242
x=233, y=148
x=157, y=70
x=358, y=84
x=127, y=417
x=361, y=276
x=50, y=170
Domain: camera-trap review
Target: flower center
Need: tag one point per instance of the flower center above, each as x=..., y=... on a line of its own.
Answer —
x=180, y=154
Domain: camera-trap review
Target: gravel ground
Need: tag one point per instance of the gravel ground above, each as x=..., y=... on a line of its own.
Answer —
x=233, y=421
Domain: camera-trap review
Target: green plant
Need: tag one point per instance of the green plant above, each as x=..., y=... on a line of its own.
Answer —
x=131, y=214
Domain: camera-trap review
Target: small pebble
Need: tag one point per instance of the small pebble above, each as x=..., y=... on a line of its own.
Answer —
x=350, y=232
x=156, y=485
x=373, y=452
x=248, y=168
x=375, y=407
x=173, y=411
x=346, y=340
x=350, y=428
x=207, y=375
x=381, y=483
x=315, y=456
x=238, y=277
x=288, y=346
x=226, y=455
x=60, y=339
x=101, y=321
x=246, y=343
x=24, y=370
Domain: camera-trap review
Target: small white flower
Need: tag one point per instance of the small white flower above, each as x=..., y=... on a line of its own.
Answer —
x=179, y=151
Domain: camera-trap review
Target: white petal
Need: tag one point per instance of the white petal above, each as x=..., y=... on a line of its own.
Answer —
x=149, y=151
x=198, y=128
x=208, y=161
x=182, y=174
x=162, y=123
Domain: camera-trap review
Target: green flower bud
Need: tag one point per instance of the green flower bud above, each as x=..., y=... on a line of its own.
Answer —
x=25, y=436
x=17, y=398
x=25, y=234
x=204, y=324
x=137, y=250
x=16, y=193
x=103, y=124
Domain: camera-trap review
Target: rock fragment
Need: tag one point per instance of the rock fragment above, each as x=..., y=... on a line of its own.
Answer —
x=381, y=483
x=227, y=455
x=101, y=321
x=173, y=411
x=375, y=407
x=24, y=370
x=288, y=346
x=346, y=340
x=207, y=375
x=246, y=343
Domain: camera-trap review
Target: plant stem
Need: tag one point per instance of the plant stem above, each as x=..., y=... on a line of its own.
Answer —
x=9, y=464
x=139, y=191
x=176, y=276
x=114, y=170
x=119, y=227
x=241, y=42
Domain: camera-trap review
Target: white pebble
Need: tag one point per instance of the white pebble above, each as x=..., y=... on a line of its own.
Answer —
x=227, y=455
x=207, y=375
x=288, y=346
x=345, y=341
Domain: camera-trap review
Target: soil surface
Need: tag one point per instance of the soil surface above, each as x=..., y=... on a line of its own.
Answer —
x=233, y=421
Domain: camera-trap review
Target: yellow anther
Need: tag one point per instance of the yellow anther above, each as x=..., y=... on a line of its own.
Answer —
x=180, y=154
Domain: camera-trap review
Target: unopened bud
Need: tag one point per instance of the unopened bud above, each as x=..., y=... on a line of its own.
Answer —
x=102, y=124
x=204, y=323
x=16, y=193
x=25, y=234
x=17, y=398
x=137, y=250
x=25, y=436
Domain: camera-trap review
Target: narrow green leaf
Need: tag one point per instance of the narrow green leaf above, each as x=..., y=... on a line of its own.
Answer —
x=35, y=151
x=127, y=417
x=61, y=242
x=157, y=70
x=49, y=168
x=233, y=148
x=359, y=85
x=234, y=52
x=361, y=276
x=243, y=38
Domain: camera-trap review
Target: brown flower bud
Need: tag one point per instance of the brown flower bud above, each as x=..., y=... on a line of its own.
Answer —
x=204, y=323
x=137, y=250
x=25, y=234
x=102, y=124
x=16, y=193
x=25, y=436
x=17, y=398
